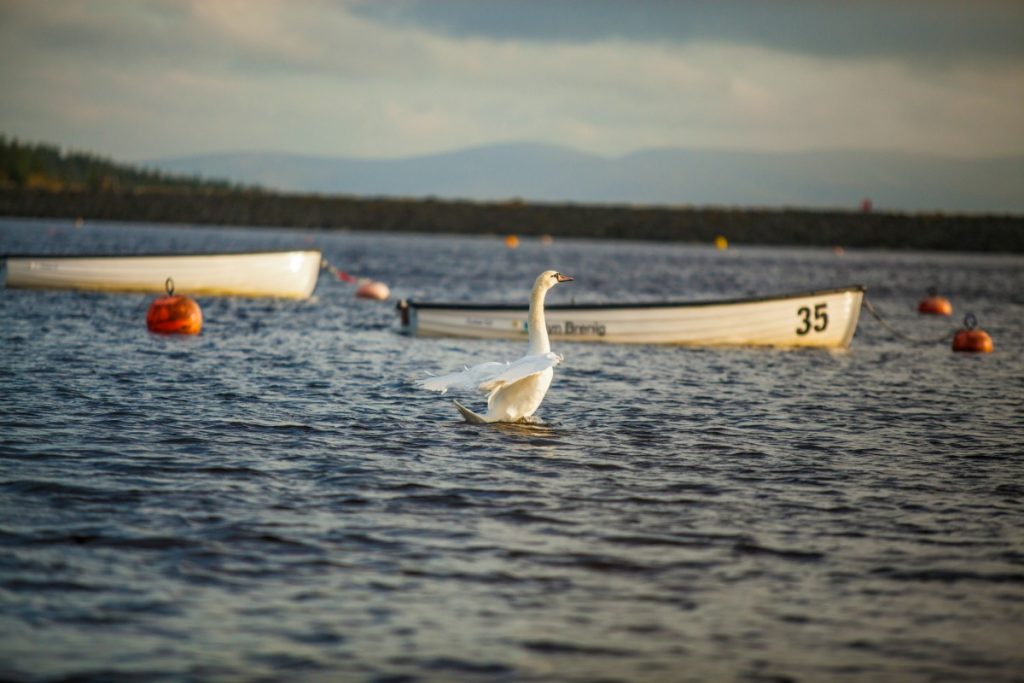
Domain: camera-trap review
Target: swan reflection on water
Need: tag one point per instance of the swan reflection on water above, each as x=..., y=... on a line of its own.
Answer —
x=532, y=428
x=527, y=437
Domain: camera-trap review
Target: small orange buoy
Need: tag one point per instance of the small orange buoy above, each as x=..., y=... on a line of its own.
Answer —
x=511, y=241
x=373, y=290
x=174, y=314
x=721, y=242
x=935, y=304
x=970, y=339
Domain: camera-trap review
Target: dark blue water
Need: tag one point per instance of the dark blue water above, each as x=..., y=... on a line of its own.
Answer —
x=272, y=500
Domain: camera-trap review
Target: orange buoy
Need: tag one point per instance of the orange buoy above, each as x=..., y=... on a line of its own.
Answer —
x=971, y=339
x=511, y=241
x=174, y=314
x=373, y=290
x=935, y=304
x=721, y=242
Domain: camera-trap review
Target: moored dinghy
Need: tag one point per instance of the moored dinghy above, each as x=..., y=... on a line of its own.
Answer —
x=281, y=274
x=820, y=318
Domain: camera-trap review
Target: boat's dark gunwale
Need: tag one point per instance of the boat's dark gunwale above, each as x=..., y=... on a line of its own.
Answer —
x=619, y=306
x=176, y=254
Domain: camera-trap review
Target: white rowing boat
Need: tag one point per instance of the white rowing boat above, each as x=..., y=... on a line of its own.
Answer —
x=822, y=318
x=283, y=274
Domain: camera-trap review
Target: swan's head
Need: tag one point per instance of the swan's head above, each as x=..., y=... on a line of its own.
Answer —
x=550, y=278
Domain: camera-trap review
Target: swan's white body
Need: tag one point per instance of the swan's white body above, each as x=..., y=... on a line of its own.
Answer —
x=514, y=390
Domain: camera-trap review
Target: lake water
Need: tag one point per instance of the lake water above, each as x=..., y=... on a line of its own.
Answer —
x=273, y=500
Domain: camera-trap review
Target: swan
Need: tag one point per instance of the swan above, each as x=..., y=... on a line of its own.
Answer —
x=514, y=390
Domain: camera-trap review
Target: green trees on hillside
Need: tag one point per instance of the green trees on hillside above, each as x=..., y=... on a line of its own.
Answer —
x=41, y=166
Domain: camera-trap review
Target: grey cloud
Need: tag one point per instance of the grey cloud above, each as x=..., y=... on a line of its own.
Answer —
x=144, y=34
x=938, y=30
x=169, y=35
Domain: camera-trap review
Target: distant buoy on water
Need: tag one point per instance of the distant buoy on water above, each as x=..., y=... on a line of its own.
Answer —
x=174, y=314
x=546, y=240
x=935, y=304
x=511, y=241
x=721, y=242
x=373, y=290
x=971, y=339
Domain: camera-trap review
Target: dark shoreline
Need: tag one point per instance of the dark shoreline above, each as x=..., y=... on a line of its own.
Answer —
x=790, y=226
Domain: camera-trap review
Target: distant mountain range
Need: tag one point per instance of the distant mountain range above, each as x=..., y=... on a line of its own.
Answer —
x=699, y=177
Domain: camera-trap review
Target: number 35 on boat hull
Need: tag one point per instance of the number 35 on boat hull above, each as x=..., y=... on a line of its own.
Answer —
x=821, y=318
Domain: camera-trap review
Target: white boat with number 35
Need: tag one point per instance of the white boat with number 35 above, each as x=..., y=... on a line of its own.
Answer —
x=822, y=318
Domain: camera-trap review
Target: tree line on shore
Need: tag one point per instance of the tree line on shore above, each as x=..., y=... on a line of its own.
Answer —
x=42, y=181
x=796, y=227
x=27, y=165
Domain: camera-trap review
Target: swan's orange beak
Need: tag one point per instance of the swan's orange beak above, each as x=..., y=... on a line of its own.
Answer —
x=562, y=278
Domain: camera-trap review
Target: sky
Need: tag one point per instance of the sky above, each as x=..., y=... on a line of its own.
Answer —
x=145, y=79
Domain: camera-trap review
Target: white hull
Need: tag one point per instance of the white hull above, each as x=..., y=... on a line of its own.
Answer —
x=284, y=274
x=824, y=319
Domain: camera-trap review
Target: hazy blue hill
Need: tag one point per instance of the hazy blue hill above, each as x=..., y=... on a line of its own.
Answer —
x=493, y=172
x=660, y=176
x=828, y=179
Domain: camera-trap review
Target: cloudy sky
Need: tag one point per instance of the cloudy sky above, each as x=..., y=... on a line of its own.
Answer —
x=141, y=79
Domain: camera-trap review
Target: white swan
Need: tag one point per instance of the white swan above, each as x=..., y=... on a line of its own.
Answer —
x=514, y=390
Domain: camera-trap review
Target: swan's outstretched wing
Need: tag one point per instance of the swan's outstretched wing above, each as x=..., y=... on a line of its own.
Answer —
x=521, y=369
x=466, y=379
x=489, y=376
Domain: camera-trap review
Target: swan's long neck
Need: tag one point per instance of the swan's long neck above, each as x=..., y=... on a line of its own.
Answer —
x=537, y=326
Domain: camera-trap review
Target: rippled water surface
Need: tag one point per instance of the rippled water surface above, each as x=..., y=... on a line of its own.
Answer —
x=273, y=500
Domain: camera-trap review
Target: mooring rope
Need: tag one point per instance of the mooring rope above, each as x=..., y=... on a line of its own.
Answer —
x=906, y=337
x=339, y=274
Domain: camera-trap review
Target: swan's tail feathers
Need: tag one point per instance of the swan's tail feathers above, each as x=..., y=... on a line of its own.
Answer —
x=470, y=416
